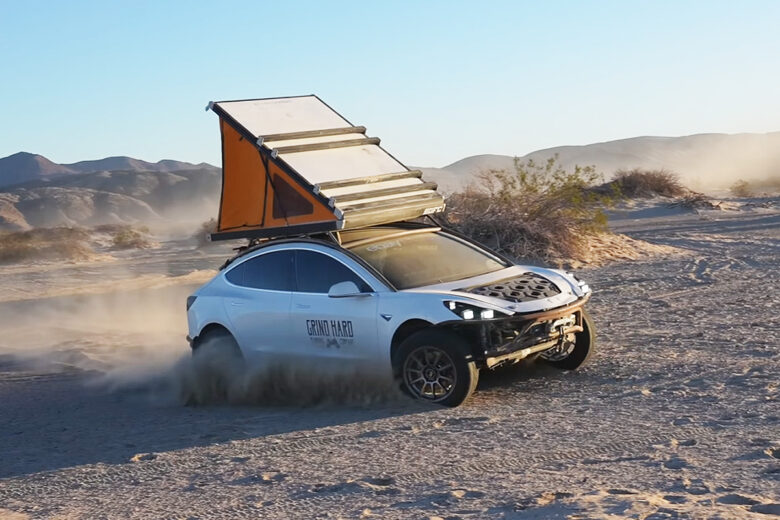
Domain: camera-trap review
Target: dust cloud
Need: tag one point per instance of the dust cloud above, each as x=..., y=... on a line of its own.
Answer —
x=115, y=337
x=216, y=377
x=133, y=340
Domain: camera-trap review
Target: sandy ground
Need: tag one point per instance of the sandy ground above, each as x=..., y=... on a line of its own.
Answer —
x=678, y=416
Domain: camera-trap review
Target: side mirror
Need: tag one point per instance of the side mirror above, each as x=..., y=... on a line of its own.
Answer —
x=344, y=290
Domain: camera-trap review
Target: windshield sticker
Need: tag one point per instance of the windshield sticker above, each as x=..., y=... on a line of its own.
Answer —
x=383, y=245
x=330, y=333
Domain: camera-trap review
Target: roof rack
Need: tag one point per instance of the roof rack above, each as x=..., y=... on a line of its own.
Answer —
x=293, y=166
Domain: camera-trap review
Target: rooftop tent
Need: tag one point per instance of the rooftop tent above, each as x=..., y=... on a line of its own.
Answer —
x=294, y=165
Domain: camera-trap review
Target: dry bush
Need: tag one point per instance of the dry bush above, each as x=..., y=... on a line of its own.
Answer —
x=741, y=189
x=537, y=211
x=695, y=200
x=128, y=237
x=60, y=243
x=639, y=183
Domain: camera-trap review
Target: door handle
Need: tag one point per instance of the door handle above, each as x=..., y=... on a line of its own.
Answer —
x=236, y=303
x=302, y=306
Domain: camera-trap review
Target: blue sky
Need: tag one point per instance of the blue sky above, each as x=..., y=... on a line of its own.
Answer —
x=436, y=80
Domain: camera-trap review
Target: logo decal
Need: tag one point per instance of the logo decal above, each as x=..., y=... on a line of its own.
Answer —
x=330, y=333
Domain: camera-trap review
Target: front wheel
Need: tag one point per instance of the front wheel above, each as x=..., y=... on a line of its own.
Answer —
x=437, y=366
x=577, y=353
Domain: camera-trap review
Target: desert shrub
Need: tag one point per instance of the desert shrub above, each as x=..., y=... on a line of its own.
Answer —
x=60, y=243
x=537, y=211
x=741, y=189
x=639, y=183
x=694, y=200
x=128, y=237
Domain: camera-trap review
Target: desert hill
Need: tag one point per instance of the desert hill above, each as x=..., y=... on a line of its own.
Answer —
x=703, y=161
x=36, y=192
x=88, y=199
x=24, y=167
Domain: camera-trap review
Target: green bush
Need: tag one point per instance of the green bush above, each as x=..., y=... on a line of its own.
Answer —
x=537, y=211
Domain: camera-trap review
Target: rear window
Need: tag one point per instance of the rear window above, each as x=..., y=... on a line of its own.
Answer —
x=271, y=271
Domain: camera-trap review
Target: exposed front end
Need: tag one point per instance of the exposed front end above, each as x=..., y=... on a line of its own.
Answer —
x=538, y=311
x=551, y=333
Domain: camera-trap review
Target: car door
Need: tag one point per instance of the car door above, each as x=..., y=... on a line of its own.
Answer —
x=326, y=327
x=259, y=304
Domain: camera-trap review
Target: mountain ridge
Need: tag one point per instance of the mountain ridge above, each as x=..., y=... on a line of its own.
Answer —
x=23, y=167
x=703, y=161
x=36, y=192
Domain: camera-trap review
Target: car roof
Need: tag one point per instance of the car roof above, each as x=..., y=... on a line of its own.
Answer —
x=293, y=244
x=334, y=240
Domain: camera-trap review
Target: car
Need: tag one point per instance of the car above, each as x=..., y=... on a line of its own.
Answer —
x=422, y=303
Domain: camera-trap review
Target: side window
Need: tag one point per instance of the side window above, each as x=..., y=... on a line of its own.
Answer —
x=317, y=273
x=271, y=271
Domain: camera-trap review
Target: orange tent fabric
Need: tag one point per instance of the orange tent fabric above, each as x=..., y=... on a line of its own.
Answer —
x=256, y=193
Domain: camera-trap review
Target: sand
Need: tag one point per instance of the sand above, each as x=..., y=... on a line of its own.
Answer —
x=677, y=416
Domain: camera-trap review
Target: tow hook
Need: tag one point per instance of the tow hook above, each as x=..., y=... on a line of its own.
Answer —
x=562, y=347
x=561, y=335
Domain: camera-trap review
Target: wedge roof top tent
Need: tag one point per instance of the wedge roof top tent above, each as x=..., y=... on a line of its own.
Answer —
x=293, y=166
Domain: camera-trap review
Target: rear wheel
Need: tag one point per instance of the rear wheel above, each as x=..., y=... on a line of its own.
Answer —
x=437, y=366
x=217, y=361
x=575, y=354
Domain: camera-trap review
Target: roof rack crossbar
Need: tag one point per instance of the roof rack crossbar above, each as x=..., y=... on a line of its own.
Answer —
x=408, y=188
x=374, y=216
x=315, y=133
x=292, y=230
x=326, y=146
x=351, y=209
x=357, y=181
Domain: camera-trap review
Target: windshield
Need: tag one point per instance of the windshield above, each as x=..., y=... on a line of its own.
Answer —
x=426, y=259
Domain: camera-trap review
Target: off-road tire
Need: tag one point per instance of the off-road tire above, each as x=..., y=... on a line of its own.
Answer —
x=584, y=347
x=217, y=360
x=455, y=361
x=217, y=339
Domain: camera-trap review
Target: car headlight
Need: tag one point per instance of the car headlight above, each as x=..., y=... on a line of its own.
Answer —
x=470, y=312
